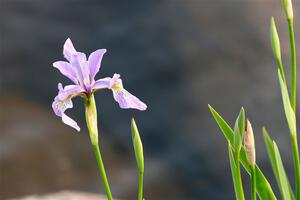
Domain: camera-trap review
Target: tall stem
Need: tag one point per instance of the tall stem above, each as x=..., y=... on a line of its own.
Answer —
x=293, y=104
x=239, y=178
x=141, y=177
x=102, y=172
x=91, y=120
x=253, y=183
x=293, y=62
x=296, y=165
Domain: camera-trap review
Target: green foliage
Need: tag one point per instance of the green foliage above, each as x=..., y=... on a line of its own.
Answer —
x=289, y=112
x=264, y=189
x=274, y=160
x=283, y=181
x=239, y=129
x=238, y=188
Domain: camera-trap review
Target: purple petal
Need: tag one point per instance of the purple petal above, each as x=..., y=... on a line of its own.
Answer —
x=70, y=91
x=79, y=63
x=102, y=83
x=63, y=101
x=127, y=100
x=69, y=121
x=94, y=61
x=115, y=80
x=69, y=49
x=66, y=69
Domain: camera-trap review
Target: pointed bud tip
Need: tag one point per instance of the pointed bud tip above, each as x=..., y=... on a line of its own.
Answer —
x=275, y=40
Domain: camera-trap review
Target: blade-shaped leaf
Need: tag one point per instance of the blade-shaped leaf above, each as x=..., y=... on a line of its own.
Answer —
x=233, y=171
x=225, y=128
x=239, y=129
x=272, y=157
x=264, y=189
x=289, y=113
x=283, y=181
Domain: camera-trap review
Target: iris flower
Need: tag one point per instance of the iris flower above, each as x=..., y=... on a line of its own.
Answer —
x=82, y=72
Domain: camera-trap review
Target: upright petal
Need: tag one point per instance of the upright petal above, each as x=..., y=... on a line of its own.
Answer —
x=69, y=49
x=79, y=63
x=66, y=69
x=94, y=61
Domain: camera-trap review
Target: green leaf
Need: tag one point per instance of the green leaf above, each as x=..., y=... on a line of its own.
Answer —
x=276, y=47
x=272, y=157
x=264, y=189
x=289, y=113
x=225, y=128
x=283, y=181
x=239, y=129
x=239, y=194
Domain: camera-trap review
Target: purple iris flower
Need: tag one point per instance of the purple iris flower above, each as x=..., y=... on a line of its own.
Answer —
x=82, y=71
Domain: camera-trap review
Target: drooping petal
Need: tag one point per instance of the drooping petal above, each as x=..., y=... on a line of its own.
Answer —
x=66, y=69
x=127, y=100
x=69, y=49
x=94, y=61
x=63, y=101
x=123, y=97
x=69, y=121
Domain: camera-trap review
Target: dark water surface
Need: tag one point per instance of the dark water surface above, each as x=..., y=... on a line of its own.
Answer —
x=176, y=55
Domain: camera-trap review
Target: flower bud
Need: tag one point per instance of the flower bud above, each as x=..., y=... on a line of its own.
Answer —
x=138, y=146
x=249, y=143
x=275, y=40
x=288, y=9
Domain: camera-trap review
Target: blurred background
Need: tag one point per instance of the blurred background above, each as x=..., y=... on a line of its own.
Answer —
x=175, y=55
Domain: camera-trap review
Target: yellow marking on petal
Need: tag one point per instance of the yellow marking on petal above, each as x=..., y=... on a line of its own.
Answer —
x=117, y=86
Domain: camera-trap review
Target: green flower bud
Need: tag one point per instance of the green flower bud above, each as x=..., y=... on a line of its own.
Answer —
x=288, y=9
x=275, y=40
x=138, y=146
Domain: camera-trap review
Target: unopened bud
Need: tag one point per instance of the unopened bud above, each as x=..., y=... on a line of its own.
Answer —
x=249, y=143
x=138, y=146
x=288, y=9
x=275, y=40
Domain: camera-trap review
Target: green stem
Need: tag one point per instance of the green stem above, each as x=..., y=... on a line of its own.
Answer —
x=253, y=183
x=296, y=165
x=91, y=120
x=293, y=104
x=281, y=70
x=141, y=177
x=240, y=191
x=102, y=172
x=293, y=62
